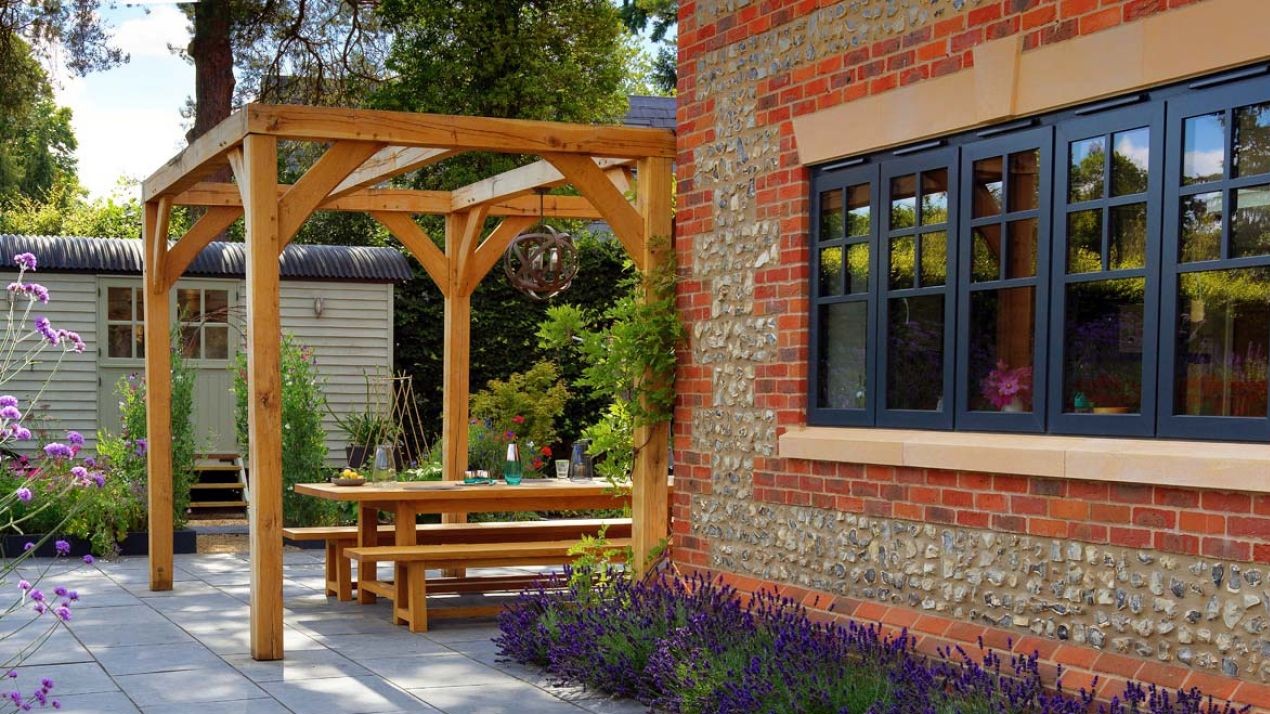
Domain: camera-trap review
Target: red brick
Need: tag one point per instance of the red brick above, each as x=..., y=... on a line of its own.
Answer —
x=1029, y=505
x=908, y=511
x=932, y=50
x=960, y=499
x=1048, y=487
x=1223, y=548
x=1047, y=527
x=1176, y=497
x=1154, y=518
x=1131, y=537
x=1258, y=695
x=994, y=502
x=1132, y=493
x=984, y=15
x=1248, y=526
x=1088, y=490
x=974, y=519
x=1228, y=501
x=1100, y=20
x=1177, y=543
x=1073, y=8
x=1113, y=663
x=1262, y=506
x=1109, y=513
x=1039, y=16
x=1137, y=9
x=1200, y=522
x=1070, y=509
x=1014, y=484
x=1013, y=524
x=965, y=40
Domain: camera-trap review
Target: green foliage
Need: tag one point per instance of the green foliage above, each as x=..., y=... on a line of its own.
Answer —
x=303, y=441
x=525, y=404
x=37, y=144
x=659, y=18
x=597, y=562
x=613, y=436
x=104, y=516
x=503, y=325
x=65, y=211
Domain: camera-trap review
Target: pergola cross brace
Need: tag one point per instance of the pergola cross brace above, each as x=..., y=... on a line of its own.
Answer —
x=365, y=149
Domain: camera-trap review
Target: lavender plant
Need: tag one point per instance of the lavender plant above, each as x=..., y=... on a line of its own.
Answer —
x=694, y=646
x=34, y=486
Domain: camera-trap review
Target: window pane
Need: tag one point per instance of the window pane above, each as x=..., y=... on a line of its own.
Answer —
x=934, y=258
x=934, y=197
x=1021, y=253
x=1252, y=140
x=831, y=214
x=1250, y=222
x=118, y=303
x=1128, y=240
x=1201, y=227
x=831, y=271
x=844, y=329
x=1084, y=241
x=188, y=304
x=858, y=268
x=858, y=210
x=1086, y=165
x=1102, y=347
x=216, y=305
x=119, y=341
x=1002, y=335
x=915, y=353
x=216, y=342
x=903, y=262
x=1204, y=148
x=985, y=257
x=903, y=202
x=1025, y=180
x=139, y=335
x=1129, y=163
x=987, y=187
x=140, y=296
x=1223, y=330
x=191, y=341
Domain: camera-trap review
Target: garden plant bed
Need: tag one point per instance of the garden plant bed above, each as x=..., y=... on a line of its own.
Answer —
x=11, y=544
x=695, y=645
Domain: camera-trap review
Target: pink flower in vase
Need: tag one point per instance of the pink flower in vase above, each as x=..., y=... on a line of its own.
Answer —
x=1004, y=387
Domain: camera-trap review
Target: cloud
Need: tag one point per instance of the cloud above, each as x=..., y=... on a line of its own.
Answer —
x=149, y=35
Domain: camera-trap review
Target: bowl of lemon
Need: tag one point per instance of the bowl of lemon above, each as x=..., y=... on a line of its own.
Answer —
x=348, y=477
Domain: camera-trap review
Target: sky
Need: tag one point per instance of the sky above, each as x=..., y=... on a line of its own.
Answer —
x=128, y=119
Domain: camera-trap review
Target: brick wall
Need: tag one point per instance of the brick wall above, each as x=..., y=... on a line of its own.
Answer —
x=748, y=68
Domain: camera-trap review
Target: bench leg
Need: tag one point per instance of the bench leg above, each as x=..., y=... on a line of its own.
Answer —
x=417, y=591
x=332, y=565
x=400, y=610
x=343, y=573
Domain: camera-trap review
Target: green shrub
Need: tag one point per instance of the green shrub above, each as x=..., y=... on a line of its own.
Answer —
x=303, y=440
x=526, y=404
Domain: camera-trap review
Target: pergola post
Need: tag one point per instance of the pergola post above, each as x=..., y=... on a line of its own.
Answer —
x=456, y=371
x=649, y=492
x=158, y=358
x=258, y=180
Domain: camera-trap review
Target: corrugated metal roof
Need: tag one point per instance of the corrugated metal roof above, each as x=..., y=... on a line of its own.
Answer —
x=219, y=259
x=655, y=112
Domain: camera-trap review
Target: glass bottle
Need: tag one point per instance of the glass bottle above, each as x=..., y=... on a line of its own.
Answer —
x=511, y=469
x=580, y=462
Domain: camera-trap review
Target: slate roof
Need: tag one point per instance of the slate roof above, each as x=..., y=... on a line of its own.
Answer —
x=218, y=259
x=655, y=112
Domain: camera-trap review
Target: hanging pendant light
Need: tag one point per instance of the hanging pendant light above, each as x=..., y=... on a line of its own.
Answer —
x=541, y=262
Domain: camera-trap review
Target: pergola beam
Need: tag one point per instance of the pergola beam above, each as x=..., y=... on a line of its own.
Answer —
x=212, y=223
x=389, y=162
x=517, y=182
x=401, y=200
x=434, y=262
x=203, y=156
x=492, y=248
x=463, y=133
x=305, y=195
x=622, y=217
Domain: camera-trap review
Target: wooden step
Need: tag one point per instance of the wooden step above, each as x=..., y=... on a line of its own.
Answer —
x=218, y=467
x=218, y=504
x=229, y=486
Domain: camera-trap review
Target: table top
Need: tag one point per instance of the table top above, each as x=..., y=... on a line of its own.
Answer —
x=442, y=491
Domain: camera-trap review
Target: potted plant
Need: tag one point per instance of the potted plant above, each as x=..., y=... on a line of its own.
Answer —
x=365, y=431
x=1008, y=389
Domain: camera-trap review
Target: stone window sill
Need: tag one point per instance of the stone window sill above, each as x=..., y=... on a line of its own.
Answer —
x=1208, y=465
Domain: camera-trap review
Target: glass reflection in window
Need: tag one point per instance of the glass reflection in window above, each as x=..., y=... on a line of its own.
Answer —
x=1252, y=140
x=1002, y=338
x=831, y=212
x=858, y=210
x=1025, y=180
x=1084, y=241
x=1250, y=222
x=988, y=183
x=915, y=353
x=1200, y=234
x=1127, y=246
x=985, y=253
x=1203, y=148
x=844, y=329
x=858, y=268
x=903, y=202
x=1102, y=347
x=934, y=197
x=831, y=271
x=1223, y=330
x=1086, y=167
x=1129, y=162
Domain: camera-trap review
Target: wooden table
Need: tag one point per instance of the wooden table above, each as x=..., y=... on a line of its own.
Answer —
x=407, y=499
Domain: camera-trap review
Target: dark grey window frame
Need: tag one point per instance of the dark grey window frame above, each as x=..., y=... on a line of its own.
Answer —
x=1162, y=109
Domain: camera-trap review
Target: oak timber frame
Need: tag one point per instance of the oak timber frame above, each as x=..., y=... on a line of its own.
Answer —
x=366, y=148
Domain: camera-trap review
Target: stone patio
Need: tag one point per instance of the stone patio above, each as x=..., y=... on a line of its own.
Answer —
x=130, y=650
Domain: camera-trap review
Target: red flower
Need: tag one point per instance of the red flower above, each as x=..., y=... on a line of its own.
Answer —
x=518, y=419
x=546, y=451
x=537, y=463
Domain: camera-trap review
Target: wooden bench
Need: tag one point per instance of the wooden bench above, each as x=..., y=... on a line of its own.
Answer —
x=411, y=562
x=339, y=571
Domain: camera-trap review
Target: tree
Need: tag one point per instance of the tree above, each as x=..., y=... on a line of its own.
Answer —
x=71, y=29
x=37, y=144
x=659, y=18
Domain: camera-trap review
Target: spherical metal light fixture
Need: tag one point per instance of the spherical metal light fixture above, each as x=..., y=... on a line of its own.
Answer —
x=542, y=262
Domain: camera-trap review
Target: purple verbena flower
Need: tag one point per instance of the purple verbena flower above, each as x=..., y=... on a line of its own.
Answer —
x=36, y=594
x=45, y=328
x=10, y=413
x=140, y=449
x=24, y=494
x=74, y=438
x=29, y=546
x=63, y=547
x=25, y=261
x=24, y=585
x=8, y=400
x=21, y=433
x=57, y=450
x=88, y=560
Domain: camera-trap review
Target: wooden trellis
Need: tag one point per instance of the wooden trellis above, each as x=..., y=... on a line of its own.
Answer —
x=365, y=148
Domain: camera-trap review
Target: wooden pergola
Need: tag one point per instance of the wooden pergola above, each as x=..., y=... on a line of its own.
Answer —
x=364, y=149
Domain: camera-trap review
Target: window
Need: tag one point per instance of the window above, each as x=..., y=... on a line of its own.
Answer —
x=125, y=322
x=1102, y=271
x=204, y=316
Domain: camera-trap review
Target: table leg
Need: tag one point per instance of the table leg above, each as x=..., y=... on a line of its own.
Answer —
x=406, y=534
x=367, y=536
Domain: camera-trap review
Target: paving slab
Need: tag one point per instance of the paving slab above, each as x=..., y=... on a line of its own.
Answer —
x=519, y=697
x=354, y=695
x=97, y=703
x=176, y=689
x=78, y=678
x=304, y=664
x=149, y=659
x=445, y=669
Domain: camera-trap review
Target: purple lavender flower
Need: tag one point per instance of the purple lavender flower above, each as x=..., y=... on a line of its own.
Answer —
x=58, y=450
x=25, y=261
x=24, y=494
x=141, y=446
x=62, y=547
x=8, y=400
x=10, y=413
